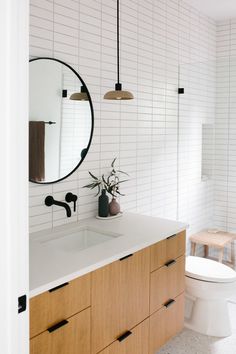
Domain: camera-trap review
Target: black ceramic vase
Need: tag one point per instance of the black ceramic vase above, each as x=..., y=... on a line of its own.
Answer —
x=103, y=204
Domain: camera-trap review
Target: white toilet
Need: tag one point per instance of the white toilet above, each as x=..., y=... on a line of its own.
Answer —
x=209, y=284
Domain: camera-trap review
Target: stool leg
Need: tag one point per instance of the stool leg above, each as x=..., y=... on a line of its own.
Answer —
x=206, y=251
x=193, y=248
x=233, y=253
x=221, y=255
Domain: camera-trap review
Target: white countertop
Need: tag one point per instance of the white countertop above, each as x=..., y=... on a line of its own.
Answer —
x=50, y=267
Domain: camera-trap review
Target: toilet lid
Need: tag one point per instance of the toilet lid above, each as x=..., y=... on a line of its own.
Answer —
x=208, y=270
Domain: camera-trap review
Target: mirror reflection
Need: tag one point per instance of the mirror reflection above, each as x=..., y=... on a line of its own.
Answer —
x=60, y=120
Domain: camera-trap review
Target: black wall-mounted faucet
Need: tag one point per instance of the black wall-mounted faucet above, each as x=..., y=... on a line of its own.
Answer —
x=70, y=197
x=49, y=201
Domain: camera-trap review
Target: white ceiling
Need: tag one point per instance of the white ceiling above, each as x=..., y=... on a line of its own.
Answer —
x=216, y=9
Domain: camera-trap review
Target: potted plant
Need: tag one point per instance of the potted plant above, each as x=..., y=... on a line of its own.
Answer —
x=108, y=184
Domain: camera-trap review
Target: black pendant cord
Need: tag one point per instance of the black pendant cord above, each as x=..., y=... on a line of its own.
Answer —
x=118, y=93
x=118, y=41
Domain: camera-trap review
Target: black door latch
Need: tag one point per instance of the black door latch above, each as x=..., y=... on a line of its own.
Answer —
x=22, y=303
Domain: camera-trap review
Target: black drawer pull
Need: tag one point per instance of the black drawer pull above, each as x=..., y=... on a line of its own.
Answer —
x=124, y=336
x=169, y=303
x=171, y=236
x=129, y=255
x=170, y=263
x=58, y=325
x=58, y=287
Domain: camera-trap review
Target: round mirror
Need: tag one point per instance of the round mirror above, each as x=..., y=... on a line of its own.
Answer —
x=60, y=120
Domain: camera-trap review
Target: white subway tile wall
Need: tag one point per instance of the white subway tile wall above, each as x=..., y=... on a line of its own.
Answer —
x=159, y=151
x=208, y=147
x=225, y=142
x=196, y=110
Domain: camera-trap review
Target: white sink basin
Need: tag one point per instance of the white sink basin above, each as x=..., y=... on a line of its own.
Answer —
x=79, y=239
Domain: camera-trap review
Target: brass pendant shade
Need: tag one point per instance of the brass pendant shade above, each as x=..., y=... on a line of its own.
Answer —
x=80, y=96
x=118, y=93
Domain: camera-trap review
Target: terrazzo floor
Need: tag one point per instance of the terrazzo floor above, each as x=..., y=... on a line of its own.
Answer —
x=189, y=342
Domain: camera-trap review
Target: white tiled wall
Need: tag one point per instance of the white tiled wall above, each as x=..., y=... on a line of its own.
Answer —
x=196, y=110
x=225, y=145
x=208, y=145
x=151, y=143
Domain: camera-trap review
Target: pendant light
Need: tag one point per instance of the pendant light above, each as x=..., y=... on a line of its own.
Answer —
x=80, y=96
x=118, y=93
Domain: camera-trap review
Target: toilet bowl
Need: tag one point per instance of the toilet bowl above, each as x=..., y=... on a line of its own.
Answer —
x=209, y=284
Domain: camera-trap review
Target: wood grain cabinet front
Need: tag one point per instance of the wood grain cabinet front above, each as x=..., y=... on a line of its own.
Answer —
x=120, y=298
x=131, y=306
x=58, y=304
x=135, y=341
x=71, y=336
x=166, y=283
x=166, y=323
x=167, y=250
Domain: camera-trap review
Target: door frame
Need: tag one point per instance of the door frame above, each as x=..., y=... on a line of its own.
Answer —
x=14, y=263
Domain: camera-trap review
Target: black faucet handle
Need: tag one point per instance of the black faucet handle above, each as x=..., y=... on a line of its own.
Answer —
x=70, y=197
x=49, y=200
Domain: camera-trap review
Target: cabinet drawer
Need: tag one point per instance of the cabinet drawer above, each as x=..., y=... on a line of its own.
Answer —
x=166, y=283
x=58, y=304
x=136, y=341
x=71, y=338
x=168, y=249
x=166, y=323
x=120, y=298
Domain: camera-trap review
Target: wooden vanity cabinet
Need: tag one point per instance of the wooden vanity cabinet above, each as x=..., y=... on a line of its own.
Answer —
x=71, y=337
x=166, y=323
x=58, y=304
x=166, y=250
x=131, y=306
x=60, y=319
x=137, y=341
x=166, y=283
x=120, y=298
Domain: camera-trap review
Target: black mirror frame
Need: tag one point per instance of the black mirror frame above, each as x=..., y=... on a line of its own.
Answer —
x=92, y=120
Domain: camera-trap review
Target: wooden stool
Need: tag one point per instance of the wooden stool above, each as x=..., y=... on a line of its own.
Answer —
x=217, y=240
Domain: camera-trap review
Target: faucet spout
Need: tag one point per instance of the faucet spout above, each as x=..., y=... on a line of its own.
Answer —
x=49, y=201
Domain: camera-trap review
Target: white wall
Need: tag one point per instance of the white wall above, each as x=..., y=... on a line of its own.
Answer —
x=14, y=329
x=225, y=145
x=156, y=36
x=196, y=109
